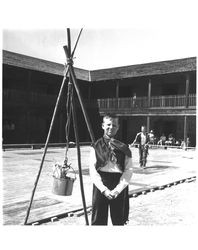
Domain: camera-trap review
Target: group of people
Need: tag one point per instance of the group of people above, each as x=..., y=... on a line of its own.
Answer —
x=111, y=172
x=172, y=141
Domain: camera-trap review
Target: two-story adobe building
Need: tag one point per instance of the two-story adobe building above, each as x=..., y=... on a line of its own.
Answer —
x=161, y=95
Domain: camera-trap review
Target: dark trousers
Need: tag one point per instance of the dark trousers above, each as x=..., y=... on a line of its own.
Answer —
x=119, y=207
x=143, y=152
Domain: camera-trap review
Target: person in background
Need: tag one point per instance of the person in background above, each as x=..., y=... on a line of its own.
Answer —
x=162, y=140
x=185, y=145
x=170, y=141
x=110, y=172
x=142, y=138
x=187, y=142
x=151, y=137
x=134, y=100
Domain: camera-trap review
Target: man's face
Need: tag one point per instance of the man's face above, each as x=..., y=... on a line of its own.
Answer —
x=143, y=129
x=110, y=126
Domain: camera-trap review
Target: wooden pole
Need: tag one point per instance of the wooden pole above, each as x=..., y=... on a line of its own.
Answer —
x=149, y=104
x=69, y=42
x=69, y=70
x=187, y=90
x=149, y=93
x=79, y=158
x=82, y=106
x=72, y=54
x=72, y=80
x=117, y=89
x=46, y=144
x=185, y=128
x=28, y=96
x=148, y=123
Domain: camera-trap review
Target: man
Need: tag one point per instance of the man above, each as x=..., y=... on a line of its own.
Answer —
x=110, y=171
x=142, y=138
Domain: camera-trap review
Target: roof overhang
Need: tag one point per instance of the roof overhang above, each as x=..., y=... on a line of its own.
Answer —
x=139, y=70
x=32, y=63
x=147, y=69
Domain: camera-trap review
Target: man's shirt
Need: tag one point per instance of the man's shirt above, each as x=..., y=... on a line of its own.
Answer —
x=110, y=167
x=143, y=139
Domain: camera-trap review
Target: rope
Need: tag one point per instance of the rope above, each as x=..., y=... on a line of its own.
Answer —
x=68, y=113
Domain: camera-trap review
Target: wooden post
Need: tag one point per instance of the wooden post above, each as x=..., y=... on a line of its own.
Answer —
x=117, y=89
x=28, y=105
x=187, y=89
x=68, y=70
x=149, y=93
x=73, y=78
x=69, y=42
x=185, y=128
x=46, y=143
x=74, y=82
x=75, y=122
x=117, y=94
x=148, y=123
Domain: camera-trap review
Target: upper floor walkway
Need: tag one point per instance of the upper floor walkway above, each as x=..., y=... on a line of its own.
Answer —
x=129, y=104
x=167, y=102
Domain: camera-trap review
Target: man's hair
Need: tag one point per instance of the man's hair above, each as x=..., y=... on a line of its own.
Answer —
x=110, y=116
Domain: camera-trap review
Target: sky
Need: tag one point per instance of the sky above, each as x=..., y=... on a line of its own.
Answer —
x=103, y=48
x=115, y=33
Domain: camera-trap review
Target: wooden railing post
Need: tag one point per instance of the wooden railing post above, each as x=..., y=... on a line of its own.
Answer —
x=117, y=89
x=185, y=128
x=148, y=123
x=149, y=93
x=187, y=89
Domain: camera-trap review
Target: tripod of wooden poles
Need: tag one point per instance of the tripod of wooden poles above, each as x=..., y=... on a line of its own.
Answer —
x=72, y=85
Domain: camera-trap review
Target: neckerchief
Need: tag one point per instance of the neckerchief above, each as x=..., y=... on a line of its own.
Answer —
x=112, y=145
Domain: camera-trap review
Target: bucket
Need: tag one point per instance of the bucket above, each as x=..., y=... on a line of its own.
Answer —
x=63, y=186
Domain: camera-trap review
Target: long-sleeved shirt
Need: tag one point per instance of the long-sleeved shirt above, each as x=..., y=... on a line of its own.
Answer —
x=141, y=138
x=110, y=167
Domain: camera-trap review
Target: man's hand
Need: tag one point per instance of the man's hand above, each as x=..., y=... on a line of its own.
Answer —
x=114, y=194
x=107, y=193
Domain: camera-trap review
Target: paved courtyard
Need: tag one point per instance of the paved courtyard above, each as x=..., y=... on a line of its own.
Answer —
x=171, y=206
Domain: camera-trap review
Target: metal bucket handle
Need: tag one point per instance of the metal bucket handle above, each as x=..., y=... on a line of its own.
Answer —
x=74, y=173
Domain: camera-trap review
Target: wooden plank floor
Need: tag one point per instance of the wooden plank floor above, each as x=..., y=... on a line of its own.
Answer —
x=20, y=168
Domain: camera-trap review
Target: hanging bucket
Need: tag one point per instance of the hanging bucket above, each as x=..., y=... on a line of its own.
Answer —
x=63, y=186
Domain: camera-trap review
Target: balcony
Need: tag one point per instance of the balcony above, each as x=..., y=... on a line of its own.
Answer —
x=141, y=103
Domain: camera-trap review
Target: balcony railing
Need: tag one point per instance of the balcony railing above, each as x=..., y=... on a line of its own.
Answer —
x=170, y=101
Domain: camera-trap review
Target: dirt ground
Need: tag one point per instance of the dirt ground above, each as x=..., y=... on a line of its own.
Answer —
x=172, y=206
x=175, y=205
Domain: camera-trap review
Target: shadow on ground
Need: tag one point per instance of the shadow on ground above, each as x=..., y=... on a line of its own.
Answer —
x=152, y=169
